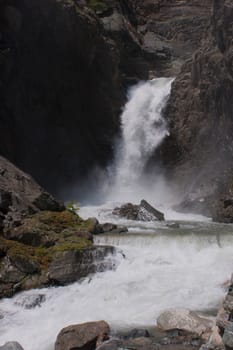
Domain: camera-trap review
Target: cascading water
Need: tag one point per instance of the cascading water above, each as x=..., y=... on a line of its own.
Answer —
x=160, y=267
x=143, y=129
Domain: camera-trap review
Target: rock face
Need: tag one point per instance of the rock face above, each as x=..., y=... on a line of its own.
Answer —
x=199, y=149
x=20, y=195
x=142, y=212
x=41, y=243
x=86, y=336
x=65, y=66
x=185, y=320
x=59, y=87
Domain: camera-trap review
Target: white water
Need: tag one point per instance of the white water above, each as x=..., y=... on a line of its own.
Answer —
x=143, y=129
x=166, y=268
x=162, y=268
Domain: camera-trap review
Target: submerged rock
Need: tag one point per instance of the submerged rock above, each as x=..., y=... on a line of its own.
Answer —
x=184, y=319
x=11, y=345
x=86, y=336
x=31, y=301
x=96, y=228
x=142, y=212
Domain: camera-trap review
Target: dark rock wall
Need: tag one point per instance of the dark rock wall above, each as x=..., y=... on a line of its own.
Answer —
x=59, y=90
x=199, y=149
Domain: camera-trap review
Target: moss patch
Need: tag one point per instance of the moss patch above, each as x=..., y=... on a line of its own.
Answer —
x=97, y=5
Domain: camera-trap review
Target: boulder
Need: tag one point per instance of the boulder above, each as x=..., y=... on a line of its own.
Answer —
x=185, y=320
x=12, y=345
x=137, y=333
x=20, y=195
x=70, y=265
x=228, y=336
x=86, y=336
x=142, y=212
x=156, y=213
x=31, y=301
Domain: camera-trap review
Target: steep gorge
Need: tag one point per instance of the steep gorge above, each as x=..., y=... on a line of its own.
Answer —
x=64, y=70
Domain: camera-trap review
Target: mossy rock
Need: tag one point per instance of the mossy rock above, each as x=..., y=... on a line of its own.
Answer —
x=49, y=228
x=97, y=5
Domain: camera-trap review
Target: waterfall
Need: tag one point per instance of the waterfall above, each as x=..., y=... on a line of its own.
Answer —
x=143, y=130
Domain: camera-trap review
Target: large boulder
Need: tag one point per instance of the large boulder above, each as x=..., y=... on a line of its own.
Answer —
x=142, y=212
x=185, y=320
x=86, y=336
x=70, y=265
x=20, y=195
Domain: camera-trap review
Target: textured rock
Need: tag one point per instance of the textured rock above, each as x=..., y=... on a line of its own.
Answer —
x=20, y=195
x=198, y=153
x=142, y=212
x=86, y=336
x=228, y=336
x=69, y=266
x=185, y=320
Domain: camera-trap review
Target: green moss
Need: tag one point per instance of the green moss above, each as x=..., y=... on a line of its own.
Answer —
x=97, y=5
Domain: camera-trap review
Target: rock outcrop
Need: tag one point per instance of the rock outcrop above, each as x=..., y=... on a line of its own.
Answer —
x=64, y=70
x=59, y=90
x=41, y=243
x=184, y=319
x=20, y=195
x=142, y=212
x=198, y=153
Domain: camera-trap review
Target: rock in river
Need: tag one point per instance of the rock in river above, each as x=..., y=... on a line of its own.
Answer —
x=142, y=212
x=86, y=336
x=184, y=319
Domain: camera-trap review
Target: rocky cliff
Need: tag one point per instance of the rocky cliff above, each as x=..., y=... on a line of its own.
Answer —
x=65, y=66
x=199, y=149
x=59, y=90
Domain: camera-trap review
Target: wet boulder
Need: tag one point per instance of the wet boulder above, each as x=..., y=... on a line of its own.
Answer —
x=142, y=212
x=86, y=336
x=11, y=345
x=184, y=319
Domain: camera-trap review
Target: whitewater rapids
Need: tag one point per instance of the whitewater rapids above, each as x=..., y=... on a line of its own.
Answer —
x=161, y=269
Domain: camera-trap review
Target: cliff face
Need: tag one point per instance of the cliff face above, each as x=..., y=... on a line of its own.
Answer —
x=59, y=90
x=64, y=68
x=199, y=150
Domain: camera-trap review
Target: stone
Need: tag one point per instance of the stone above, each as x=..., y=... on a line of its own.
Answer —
x=12, y=345
x=70, y=265
x=86, y=336
x=120, y=229
x=228, y=336
x=184, y=319
x=142, y=212
x=156, y=213
x=138, y=333
x=222, y=318
x=31, y=301
x=19, y=195
x=108, y=227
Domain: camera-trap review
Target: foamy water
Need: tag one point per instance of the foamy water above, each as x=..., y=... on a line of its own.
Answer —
x=162, y=268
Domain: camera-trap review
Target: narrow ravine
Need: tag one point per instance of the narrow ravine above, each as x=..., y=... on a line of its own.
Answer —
x=156, y=266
